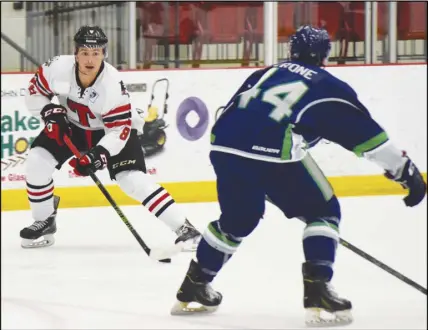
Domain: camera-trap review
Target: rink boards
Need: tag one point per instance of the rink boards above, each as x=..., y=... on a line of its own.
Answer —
x=395, y=95
x=189, y=192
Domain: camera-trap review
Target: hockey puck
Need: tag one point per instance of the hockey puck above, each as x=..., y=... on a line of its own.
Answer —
x=167, y=261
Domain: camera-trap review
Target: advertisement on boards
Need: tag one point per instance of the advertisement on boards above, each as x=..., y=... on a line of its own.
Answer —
x=18, y=130
x=179, y=108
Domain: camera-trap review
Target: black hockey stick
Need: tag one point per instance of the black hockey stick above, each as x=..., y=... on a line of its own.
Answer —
x=375, y=261
x=381, y=265
x=107, y=195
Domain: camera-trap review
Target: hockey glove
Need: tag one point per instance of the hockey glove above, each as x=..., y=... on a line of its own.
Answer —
x=56, y=122
x=410, y=178
x=95, y=159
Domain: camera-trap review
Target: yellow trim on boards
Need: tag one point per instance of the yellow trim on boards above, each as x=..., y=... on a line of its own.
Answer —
x=193, y=192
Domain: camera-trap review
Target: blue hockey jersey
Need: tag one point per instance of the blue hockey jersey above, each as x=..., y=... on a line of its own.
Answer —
x=281, y=110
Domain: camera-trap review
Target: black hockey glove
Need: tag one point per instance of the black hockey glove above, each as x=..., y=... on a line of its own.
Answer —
x=95, y=159
x=410, y=178
x=56, y=122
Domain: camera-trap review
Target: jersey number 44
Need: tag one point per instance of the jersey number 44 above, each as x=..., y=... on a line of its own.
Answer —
x=282, y=97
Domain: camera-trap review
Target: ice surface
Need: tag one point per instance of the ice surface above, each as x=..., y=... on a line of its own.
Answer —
x=97, y=276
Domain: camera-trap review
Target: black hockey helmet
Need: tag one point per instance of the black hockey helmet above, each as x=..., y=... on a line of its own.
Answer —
x=90, y=37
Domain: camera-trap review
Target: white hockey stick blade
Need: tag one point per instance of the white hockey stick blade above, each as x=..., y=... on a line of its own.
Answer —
x=166, y=252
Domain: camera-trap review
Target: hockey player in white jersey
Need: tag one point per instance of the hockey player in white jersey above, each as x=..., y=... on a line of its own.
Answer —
x=95, y=111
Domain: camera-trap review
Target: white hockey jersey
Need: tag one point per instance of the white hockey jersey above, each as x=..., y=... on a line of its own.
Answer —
x=106, y=104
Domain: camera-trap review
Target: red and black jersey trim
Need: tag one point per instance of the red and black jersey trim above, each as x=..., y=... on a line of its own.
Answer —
x=120, y=116
x=123, y=116
x=42, y=84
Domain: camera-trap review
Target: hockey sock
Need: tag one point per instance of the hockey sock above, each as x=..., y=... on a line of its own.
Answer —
x=163, y=206
x=320, y=240
x=155, y=198
x=40, y=166
x=215, y=249
x=41, y=199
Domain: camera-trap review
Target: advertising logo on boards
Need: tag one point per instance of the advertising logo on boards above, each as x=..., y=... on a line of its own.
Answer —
x=18, y=131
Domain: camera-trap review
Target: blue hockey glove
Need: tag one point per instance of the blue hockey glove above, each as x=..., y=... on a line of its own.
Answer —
x=410, y=178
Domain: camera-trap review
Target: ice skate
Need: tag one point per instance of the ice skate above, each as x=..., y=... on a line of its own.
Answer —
x=188, y=236
x=323, y=306
x=40, y=233
x=195, y=295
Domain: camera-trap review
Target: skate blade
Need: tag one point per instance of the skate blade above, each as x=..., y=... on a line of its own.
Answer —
x=318, y=317
x=44, y=241
x=183, y=308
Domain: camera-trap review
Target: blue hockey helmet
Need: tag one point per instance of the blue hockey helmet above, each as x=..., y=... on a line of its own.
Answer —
x=310, y=45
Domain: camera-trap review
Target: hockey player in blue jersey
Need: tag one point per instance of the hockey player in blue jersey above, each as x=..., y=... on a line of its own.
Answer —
x=259, y=149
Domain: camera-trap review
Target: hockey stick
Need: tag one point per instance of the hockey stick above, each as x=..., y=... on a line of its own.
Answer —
x=381, y=265
x=107, y=195
x=375, y=261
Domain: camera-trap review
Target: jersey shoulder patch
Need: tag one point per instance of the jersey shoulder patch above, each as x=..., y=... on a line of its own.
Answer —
x=50, y=61
x=123, y=88
x=113, y=88
x=57, y=67
x=60, y=61
x=113, y=78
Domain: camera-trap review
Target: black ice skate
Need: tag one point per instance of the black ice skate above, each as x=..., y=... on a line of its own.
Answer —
x=188, y=236
x=320, y=299
x=40, y=233
x=196, y=291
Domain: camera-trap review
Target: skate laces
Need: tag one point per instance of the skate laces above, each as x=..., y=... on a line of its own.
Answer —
x=184, y=229
x=38, y=225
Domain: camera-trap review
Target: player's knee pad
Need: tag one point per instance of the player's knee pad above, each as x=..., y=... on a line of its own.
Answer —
x=136, y=184
x=220, y=240
x=40, y=165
